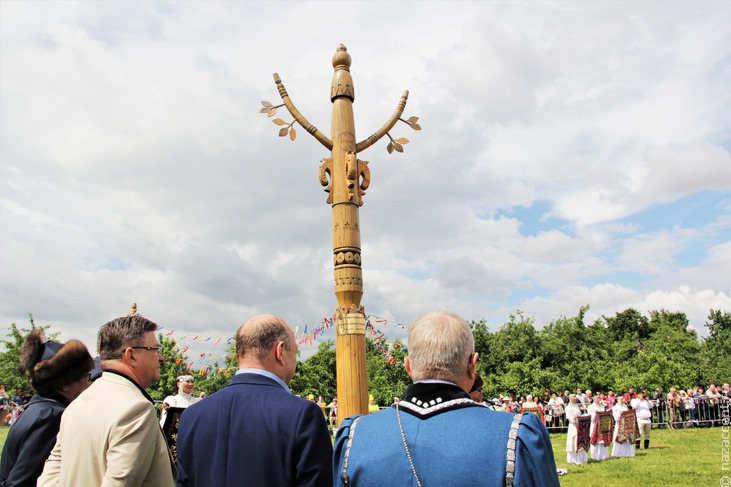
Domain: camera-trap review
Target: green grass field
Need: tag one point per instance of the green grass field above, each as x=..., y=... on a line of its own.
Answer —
x=690, y=457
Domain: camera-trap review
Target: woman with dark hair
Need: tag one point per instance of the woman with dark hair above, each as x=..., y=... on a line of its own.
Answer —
x=59, y=373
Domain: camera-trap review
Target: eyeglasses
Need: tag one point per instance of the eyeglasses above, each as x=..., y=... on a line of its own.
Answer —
x=154, y=349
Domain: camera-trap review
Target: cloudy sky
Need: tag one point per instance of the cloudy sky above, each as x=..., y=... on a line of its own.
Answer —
x=572, y=153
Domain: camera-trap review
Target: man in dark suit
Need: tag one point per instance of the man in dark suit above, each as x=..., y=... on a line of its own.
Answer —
x=254, y=431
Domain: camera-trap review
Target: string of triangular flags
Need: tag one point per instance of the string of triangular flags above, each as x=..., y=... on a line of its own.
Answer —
x=308, y=336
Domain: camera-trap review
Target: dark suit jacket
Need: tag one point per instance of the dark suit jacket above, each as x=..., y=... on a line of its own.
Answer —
x=30, y=440
x=253, y=432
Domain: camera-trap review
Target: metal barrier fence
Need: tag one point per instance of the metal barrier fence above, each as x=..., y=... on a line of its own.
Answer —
x=696, y=412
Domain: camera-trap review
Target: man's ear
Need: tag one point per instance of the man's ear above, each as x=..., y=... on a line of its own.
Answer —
x=407, y=365
x=472, y=368
x=128, y=356
x=279, y=352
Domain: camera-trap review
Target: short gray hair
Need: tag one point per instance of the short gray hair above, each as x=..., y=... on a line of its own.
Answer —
x=439, y=343
x=121, y=333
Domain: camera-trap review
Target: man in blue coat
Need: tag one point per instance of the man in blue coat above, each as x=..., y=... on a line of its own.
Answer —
x=255, y=431
x=436, y=435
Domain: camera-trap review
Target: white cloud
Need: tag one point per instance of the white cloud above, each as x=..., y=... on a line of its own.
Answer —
x=134, y=165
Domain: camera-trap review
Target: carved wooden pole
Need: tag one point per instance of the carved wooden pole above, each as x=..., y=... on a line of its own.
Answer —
x=346, y=178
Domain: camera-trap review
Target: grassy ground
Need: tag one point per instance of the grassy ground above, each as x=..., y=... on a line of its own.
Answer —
x=690, y=457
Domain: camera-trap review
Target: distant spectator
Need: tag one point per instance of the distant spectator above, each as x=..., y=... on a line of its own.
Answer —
x=530, y=402
x=565, y=398
x=321, y=403
x=333, y=412
x=674, y=406
x=701, y=404
x=686, y=403
x=643, y=406
x=372, y=406
x=556, y=410
x=714, y=398
x=659, y=407
x=17, y=399
x=4, y=399
x=476, y=390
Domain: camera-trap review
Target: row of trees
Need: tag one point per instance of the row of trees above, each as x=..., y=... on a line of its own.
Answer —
x=618, y=352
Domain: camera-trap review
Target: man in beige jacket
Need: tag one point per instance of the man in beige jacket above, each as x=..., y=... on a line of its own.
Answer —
x=110, y=435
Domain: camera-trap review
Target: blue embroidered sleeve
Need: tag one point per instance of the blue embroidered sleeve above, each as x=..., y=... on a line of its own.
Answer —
x=534, y=464
x=340, y=452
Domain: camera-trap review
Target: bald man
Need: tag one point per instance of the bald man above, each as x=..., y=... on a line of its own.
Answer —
x=255, y=431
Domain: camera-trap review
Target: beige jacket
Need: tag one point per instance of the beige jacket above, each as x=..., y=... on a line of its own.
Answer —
x=109, y=437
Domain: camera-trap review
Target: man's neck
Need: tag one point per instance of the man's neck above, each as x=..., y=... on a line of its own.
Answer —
x=122, y=368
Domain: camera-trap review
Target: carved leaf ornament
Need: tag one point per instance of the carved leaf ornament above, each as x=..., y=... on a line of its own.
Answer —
x=288, y=128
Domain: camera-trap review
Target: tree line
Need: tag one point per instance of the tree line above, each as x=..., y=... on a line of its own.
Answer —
x=626, y=350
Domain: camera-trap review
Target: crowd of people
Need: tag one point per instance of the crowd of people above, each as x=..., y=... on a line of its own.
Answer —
x=695, y=407
x=94, y=424
x=12, y=406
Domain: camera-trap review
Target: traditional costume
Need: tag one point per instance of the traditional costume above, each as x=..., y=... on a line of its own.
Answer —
x=438, y=436
x=625, y=430
x=574, y=454
x=598, y=449
x=180, y=400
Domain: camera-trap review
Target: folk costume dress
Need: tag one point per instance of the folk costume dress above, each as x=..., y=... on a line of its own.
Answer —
x=438, y=435
x=574, y=455
x=180, y=400
x=627, y=448
x=598, y=451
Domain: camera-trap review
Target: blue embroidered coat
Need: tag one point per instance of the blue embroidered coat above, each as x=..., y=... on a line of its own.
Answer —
x=451, y=439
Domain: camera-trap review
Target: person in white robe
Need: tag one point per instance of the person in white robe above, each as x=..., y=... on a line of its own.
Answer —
x=626, y=449
x=599, y=451
x=573, y=454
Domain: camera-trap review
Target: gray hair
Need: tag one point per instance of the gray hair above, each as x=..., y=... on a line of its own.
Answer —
x=439, y=343
x=121, y=333
x=259, y=334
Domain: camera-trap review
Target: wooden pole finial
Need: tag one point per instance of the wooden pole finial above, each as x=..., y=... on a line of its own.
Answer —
x=341, y=58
